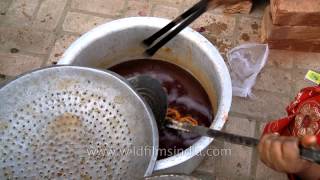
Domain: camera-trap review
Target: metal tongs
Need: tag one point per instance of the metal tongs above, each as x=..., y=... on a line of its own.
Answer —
x=181, y=22
x=305, y=153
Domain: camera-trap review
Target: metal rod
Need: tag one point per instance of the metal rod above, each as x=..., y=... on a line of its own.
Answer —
x=173, y=23
x=305, y=153
x=189, y=16
x=151, y=51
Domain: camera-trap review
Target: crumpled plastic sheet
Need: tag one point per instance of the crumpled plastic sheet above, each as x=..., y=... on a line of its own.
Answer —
x=246, y=61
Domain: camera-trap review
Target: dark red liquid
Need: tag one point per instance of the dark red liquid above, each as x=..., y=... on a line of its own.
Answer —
x=184, y=92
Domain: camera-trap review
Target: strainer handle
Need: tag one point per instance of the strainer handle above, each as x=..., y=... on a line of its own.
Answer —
x=154, y=95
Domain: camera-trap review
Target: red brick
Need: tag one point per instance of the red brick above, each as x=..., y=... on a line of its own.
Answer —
x=166, y=12
x=21, y=12
x=138, y=8
x=265, y=105
x=274, y=32
x=274, y=80
x=236, y=165
x=307, y=60
x=243, y=7
x=221, y=25
x=4, y=4
x=171, y=3
x=299, y=81
x=25, y=39
x=297, y=38
x=296, y=12
x=81, y=23
x=61, y=44
x=281, y=59
x=15, y=64
x=223, y=44
x=295, y=45
x=109, y=7
x=49, y=14
x=249, y=30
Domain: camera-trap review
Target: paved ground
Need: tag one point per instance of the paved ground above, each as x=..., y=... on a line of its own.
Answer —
x=35, y=33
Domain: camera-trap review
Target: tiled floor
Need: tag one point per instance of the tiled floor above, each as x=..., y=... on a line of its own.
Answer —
x=35, y=33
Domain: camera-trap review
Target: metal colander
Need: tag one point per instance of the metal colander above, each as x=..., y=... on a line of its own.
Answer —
x=76, y=123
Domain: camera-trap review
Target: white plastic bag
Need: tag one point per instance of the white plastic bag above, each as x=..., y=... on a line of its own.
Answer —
x=246, y=61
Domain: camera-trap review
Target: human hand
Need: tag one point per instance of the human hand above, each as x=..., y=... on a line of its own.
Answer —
x=282, y=153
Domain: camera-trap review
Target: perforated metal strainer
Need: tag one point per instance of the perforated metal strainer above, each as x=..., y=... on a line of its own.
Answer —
x=76, y=123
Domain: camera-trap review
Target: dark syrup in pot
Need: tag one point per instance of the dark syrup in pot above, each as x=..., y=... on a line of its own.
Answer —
x=185, y=94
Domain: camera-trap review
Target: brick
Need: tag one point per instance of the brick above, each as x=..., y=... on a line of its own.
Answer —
x=243, y=7
x=25, y=39
x=213, y=24
x=240, y=126
x=265, y=173
x=4, y=4
x=138, y=8
x=282, y=37
x=209, y=164
x=21, y=12
x=274, y=80
x=165, y=12
x=202, y=175
x=223, y=44
x=299, y=81
x=281, y=59
x=261, y=127
x=295, y=12
x=49, y=14
x=295, y=45
x=249, y=30
x=230, y=7
x=81, y=23
x=109, y=7
x=265, y=105
x=238, y=165
x=61, y=44
x=189, y=3
x=275, y=32
x=305, y=60
x=15, y=64
x=172, y=3
x=221, y=178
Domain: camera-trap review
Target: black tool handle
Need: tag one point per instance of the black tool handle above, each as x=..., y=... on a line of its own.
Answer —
x=152, y=50
x=153, y=94
x=149, y=41
x=231, y=138
x=310, y=155
x=305, y=153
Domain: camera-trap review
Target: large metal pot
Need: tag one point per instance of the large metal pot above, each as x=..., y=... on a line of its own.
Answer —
x=120, y=41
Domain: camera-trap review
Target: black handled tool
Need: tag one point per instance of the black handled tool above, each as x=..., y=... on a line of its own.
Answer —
x=184, y=19
x=307, y=154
